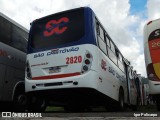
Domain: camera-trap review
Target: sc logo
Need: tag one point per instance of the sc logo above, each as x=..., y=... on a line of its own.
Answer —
x=56, y=26
x=157, y=33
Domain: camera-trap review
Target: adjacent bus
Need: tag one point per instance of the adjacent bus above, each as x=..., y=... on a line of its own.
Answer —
x=73, y=62
x=152, y=57
x=13, y=44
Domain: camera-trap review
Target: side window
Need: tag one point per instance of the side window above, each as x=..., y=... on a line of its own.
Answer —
x=112, y=56
x=112, y=47
x=117, y=53
x=120, y=57
x=107, y=41
x=19, y=38
x=101, y=33
x=120, y=62
x=97, y=28
x=102, y=45
x=5, y=31
x=101, y=41
x=107, y=46
x=12, y=35
x=121, y=65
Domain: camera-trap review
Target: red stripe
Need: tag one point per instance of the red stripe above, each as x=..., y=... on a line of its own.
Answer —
x=56, y=76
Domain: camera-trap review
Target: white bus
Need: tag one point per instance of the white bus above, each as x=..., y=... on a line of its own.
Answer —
x=73, y=62
x=152, y=57
x=13, y=44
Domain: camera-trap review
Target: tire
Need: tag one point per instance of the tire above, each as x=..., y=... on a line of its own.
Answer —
x=135, y=107
x=158, y=102
x=121, y=101
x=6, y=106
x=158, y=106
x=36, y=104
x=19, y=100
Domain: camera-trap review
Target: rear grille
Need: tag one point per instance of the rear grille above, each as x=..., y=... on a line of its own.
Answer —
x=53, y=84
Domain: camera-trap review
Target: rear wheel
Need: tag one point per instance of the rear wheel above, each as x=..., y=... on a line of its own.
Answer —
x=158, y=105
x=19, y=100
x=36, y=104
x=135, y=107
x=158, y=102
x=6, y=106
x=121, y=100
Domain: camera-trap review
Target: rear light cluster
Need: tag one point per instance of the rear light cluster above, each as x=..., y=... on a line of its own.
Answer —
x=87, y=62
x=28, y=71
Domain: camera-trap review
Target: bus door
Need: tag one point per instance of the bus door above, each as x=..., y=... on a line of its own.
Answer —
x=128, y=82
x=133, y=87
x=137, y=82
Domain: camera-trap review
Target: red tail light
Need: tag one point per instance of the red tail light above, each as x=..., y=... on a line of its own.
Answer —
x=28, y=71
x=87, y=62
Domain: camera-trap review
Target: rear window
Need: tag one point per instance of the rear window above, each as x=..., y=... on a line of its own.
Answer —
x=58, y=29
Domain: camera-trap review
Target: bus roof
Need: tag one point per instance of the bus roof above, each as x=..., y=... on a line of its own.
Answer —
x=12, y=21
x=65, y=11
x=153, y=21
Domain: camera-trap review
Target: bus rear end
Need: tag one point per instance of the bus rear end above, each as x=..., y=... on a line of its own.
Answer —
x=60, y=56
x=152, y=57
x=152, y=51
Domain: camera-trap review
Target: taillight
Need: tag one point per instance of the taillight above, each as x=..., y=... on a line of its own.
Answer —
x=28, y=71
x=87, y=62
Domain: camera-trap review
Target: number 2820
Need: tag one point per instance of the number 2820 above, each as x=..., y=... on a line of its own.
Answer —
x=74, y=59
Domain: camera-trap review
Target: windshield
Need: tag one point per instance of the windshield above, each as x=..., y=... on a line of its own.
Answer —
x=58, y=29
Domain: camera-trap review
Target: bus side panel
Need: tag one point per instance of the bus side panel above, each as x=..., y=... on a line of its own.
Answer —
x=8, y=83
x=146, y=49
x=12, y=70
x=109, y=76
x=2, y=76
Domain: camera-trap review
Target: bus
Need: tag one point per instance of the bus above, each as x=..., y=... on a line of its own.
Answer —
x=152, y=58
x=73, y=62
x=13, y=48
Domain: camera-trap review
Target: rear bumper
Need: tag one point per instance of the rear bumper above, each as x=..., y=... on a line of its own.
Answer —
x=72, y=96
x=87, y=80
x=154, y=87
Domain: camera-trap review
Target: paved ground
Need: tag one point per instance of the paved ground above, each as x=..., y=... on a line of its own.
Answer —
x=143, y=113
x=92, y=116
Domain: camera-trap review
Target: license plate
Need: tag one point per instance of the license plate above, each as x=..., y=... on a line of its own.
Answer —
x=54, y=70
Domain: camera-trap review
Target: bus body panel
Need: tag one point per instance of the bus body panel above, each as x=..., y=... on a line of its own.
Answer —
x=2, y=74
x=55, y=68
x=65, y=69
x=13, y=42
x=152, y=58
x=154, y=87
x=111, y=76
x=12, y=70
x=40, y=65
x=106, y=81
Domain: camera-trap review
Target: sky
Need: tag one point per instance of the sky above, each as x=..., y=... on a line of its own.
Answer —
x=124, y=20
